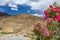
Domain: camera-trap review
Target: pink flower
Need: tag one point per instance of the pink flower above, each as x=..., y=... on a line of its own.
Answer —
x=51, y=7
x=39, y=23
x=42, y=29
x=58, y=17
x=49, y=20
x=46, y=33
x=33, y=25
x=54, y=9
x=55, y=19
x=58, y=9
x=32, y=29
x=45, y=12
x=45, y=17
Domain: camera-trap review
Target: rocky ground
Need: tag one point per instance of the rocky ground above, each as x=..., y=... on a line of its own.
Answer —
x=18, y=24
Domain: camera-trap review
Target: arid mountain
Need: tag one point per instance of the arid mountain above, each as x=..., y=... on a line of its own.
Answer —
x=19, y=23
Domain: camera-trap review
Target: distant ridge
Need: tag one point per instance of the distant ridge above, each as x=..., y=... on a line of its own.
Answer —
x=3, y=14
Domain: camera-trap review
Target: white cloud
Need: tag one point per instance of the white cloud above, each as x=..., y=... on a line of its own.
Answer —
x=35, y=4
x=12, y=5
x=28, y=11
x=21, y=1
x=41, y=5
x=14, y=9
x=3, y=2
x=38, y=15
x=35, y=0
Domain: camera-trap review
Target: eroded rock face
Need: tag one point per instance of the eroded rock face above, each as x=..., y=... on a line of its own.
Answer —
x=18, y=23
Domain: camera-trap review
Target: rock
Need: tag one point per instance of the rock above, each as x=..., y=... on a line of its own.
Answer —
x=8, y=30
x=13, y=37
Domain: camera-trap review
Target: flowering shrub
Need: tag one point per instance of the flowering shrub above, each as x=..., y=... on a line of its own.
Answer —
x=51, y=31
x=41, y=32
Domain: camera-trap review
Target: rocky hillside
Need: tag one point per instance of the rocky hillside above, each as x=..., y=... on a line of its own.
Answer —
x=20, y=24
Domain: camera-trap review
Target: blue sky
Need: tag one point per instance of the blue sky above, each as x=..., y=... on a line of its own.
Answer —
x=34, y=7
